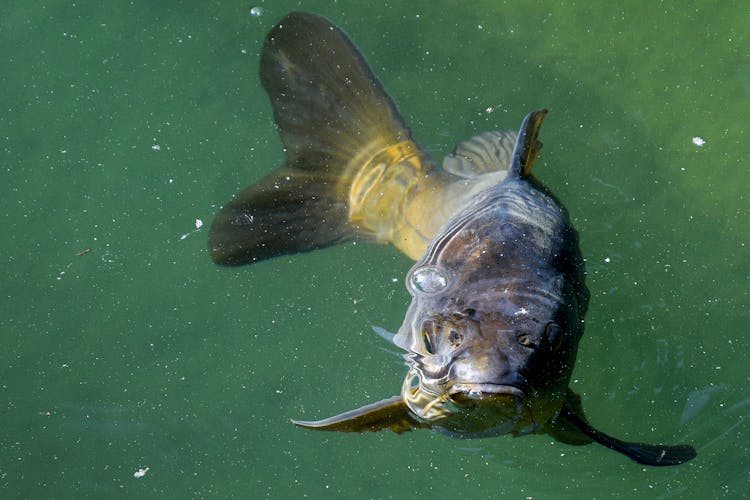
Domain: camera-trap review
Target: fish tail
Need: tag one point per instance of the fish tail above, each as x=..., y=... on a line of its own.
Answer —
x=350, y=160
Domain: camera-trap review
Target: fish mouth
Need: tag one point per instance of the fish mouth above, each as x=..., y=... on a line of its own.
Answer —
x=443, y=401
x=486, y=409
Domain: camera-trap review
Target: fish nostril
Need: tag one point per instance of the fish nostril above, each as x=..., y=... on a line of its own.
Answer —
x=455, y=338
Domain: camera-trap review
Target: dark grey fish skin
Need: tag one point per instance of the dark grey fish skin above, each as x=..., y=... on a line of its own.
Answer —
x=499, y=298
x=498, y=306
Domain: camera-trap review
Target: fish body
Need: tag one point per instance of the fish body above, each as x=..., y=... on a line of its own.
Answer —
x=497, y=310
x=498, y=292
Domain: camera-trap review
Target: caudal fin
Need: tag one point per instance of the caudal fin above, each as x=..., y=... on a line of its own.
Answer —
x=333, y=115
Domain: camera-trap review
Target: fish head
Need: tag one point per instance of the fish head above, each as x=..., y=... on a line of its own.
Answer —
x=488, y=357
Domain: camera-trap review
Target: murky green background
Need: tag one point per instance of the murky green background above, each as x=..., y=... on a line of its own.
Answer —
x=122, y=122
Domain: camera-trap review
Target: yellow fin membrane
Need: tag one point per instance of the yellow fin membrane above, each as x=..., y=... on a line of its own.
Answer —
x=333, y=116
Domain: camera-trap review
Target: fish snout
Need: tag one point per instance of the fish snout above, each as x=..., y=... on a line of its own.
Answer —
x=487, y=369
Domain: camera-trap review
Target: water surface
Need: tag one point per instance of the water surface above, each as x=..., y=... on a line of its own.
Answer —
x=123, y=122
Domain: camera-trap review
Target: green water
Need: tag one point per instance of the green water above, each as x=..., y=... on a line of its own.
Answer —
x=123, y=122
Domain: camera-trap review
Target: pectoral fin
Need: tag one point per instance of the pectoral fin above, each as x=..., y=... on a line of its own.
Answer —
x=391, y=413
x=565, y=429
x=571, y=427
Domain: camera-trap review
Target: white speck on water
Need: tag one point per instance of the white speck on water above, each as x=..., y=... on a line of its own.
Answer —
x=156, y=147
x=607, y=260
x=198, y=226
x=699, y=141
x=256, y=11
x=141, y=472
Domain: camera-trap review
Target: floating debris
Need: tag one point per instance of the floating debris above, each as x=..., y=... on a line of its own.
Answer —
x=141, y=472
x=198, y=226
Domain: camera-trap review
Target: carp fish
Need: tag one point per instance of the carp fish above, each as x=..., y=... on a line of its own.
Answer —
x=498, y=289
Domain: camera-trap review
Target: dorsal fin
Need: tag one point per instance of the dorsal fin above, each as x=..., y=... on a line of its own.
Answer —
x=527, y=146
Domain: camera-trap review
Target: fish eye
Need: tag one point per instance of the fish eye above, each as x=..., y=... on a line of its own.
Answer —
x=427, y=343
x=554, y=335
x=428, y=329
x=526, y=340
x=428, y=279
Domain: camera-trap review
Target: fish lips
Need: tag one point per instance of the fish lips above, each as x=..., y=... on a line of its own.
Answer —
x=474, y=391
x=468, y=409
x=488, y=403
x=485, y=410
